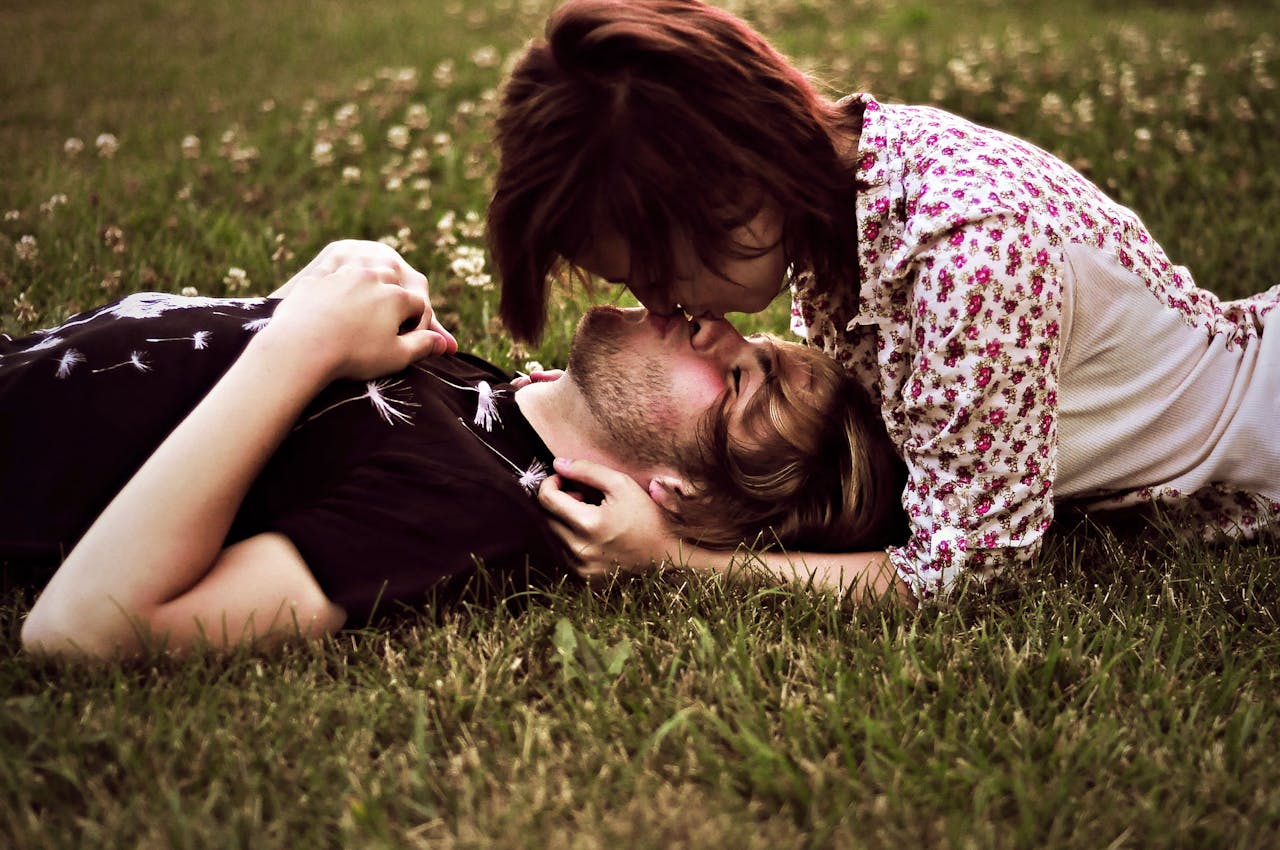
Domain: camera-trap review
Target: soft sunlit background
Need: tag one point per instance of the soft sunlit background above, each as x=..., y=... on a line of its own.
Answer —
x=1120, y=693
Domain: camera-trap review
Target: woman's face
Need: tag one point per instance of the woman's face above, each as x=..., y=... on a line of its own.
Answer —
x=743, y=284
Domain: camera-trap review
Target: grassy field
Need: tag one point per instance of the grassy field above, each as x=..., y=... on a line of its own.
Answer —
x=1120, y=693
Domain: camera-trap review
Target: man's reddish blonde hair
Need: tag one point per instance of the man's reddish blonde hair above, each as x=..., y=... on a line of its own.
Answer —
x=663, y=121
x=806, y=468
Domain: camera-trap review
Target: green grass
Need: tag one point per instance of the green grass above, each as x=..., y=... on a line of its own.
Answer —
x=1119, y=693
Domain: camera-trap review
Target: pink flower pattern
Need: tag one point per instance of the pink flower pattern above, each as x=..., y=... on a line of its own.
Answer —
x=954, y=329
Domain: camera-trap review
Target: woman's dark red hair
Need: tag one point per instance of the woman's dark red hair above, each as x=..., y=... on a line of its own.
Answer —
x=660, y=121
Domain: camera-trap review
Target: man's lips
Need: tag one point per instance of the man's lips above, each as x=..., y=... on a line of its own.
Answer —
x=664, y=324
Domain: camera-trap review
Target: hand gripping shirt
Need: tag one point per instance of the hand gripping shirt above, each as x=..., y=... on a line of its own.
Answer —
x=390, y=489
x=971, y=243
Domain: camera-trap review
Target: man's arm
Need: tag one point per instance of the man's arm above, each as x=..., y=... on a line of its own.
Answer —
x=153, y=561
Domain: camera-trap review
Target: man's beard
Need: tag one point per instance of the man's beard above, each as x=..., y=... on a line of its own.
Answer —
x=628, y=396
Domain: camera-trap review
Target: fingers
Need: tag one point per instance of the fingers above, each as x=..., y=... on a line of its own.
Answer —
x=419, y=343
x=593, y=474
x=565, y=507
x=450, y=344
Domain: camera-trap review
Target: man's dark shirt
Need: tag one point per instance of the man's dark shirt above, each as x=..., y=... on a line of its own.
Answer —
x=387, y=488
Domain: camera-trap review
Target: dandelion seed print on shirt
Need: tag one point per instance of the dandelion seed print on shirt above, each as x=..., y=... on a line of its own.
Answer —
x=382, y=394
x=390, y=489
x=487, y=414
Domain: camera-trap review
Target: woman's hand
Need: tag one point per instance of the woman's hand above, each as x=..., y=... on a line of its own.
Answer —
x=346, y=324
x=627, y=532
x=349, y=254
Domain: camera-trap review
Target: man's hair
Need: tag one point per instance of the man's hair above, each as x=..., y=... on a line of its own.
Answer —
x=807, y=470
x=663, y=121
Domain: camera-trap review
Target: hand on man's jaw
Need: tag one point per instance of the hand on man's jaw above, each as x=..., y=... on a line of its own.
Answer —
x=614, y=404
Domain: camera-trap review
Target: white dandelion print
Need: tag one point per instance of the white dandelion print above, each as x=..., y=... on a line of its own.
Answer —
x=148, y=305
x=137, y=360
x=379, y=394
x=531, y=477
x=255, y=325
x=46, y=343
x=199, y=340
x=67, y=362
x=486, y=402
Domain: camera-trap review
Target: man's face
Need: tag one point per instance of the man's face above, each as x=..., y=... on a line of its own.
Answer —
x=649, y=380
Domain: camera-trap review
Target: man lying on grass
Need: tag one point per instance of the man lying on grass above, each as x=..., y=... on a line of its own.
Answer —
x=230, y=470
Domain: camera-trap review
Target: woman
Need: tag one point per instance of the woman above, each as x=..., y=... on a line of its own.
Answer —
x=1026, y=338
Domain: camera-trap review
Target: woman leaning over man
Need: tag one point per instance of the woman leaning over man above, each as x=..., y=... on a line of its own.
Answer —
x=1026, y=339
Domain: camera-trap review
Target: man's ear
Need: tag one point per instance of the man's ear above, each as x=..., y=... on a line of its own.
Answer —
x=666, y=490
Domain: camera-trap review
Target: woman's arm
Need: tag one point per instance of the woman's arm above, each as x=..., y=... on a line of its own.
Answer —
x=153, y=565
x=352, y=253
x=627, y=529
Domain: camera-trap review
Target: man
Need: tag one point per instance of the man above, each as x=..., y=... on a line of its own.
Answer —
x=280, y=503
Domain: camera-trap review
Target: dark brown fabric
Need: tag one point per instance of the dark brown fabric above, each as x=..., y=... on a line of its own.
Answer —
x=382, y=511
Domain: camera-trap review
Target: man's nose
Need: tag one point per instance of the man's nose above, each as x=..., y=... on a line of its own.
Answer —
x=708, y=333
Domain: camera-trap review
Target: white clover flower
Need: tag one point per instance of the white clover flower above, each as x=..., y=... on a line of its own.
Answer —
x=393, y=183
x=113, y=238
x=417, y=117
x=268, y=105
x=322, y=154
x=237, y=280
x=443, y=73
x=242, y=157
x=189, y=292
x=107, y=145
x=421, y=184
x=12, y=215
x=419, y=161
x=350, y=175
x=531, y=366
x=190, y=147
x=55, y=201
x=398, y=137
x=485, y=57
x=1052, y=105
x=404, y=79
x=347, y=116
x=23, y=309
x=72, y=146
x=472, y=226
x=468, y=264
x=27, y=249
x=355, y=142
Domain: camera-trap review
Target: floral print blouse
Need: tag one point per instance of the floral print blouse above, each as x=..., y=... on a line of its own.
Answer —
x=956, y=330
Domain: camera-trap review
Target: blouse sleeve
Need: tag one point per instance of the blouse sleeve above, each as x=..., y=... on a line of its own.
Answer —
x=976, y=408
